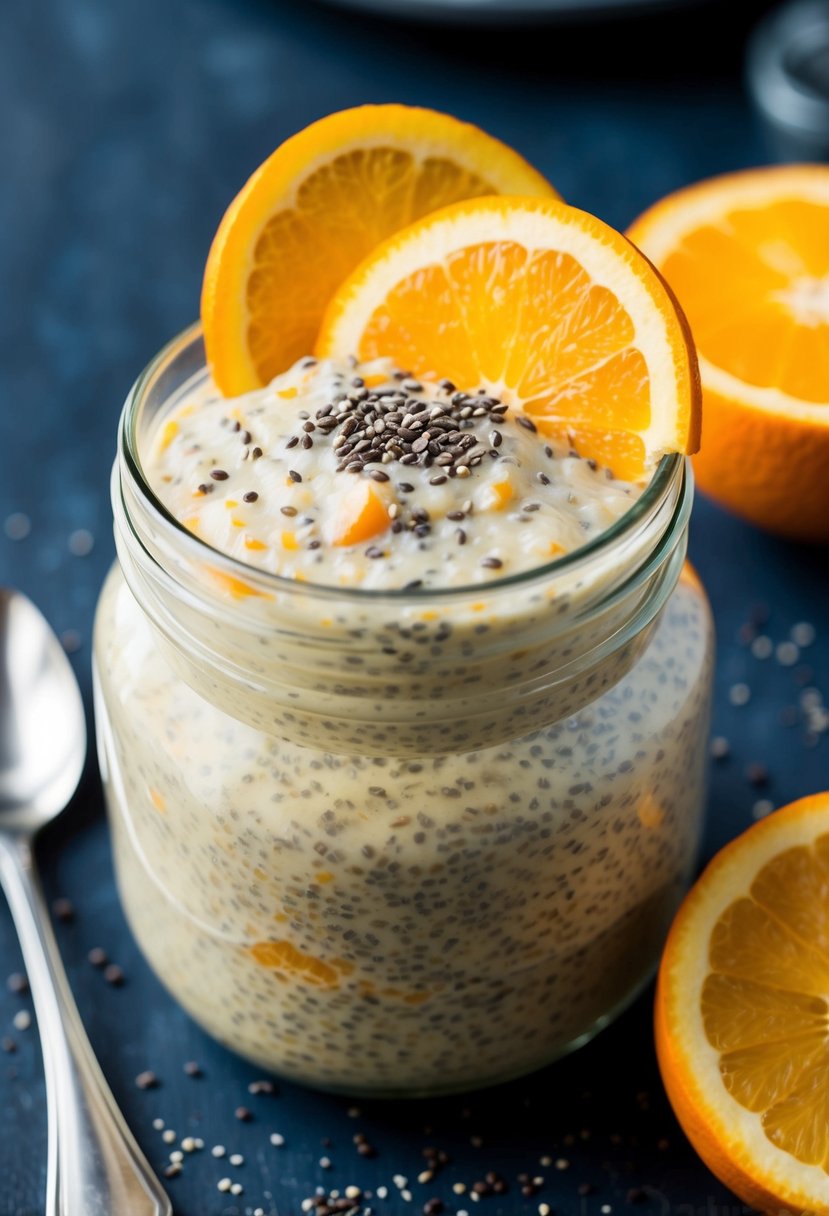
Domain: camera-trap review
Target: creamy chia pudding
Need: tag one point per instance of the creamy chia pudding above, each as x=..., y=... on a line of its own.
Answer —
x=404, y=757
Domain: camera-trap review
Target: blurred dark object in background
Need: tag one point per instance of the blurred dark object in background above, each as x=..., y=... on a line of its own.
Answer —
x=507, y=11
x=788, y=77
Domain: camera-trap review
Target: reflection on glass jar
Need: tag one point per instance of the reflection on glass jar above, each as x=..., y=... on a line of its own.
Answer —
x=389, y=842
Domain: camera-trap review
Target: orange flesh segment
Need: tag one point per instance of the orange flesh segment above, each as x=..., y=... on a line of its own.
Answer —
x=536, y=324
x=765, y=1006
x=284, y=956
x=365, y=514
x=752, y=318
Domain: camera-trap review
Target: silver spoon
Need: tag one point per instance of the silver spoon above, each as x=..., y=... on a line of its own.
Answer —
x=95, y=1167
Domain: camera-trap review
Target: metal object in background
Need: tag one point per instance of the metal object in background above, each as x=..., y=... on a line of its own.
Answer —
x=95, y=1167
x=788, y=76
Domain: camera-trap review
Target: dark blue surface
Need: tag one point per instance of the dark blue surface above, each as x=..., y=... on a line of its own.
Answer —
x=127, y=127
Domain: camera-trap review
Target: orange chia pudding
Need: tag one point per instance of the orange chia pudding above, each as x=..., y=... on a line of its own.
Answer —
x=403, y=730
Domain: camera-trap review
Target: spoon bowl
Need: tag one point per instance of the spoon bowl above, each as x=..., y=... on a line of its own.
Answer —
x=42, y=728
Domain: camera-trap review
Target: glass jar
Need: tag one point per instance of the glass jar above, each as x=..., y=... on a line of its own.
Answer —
x=399, y=842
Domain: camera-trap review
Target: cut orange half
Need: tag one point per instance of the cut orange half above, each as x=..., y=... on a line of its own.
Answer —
x=316, y=207
x=541, y=304
x=748, y=257
x=742, y=1012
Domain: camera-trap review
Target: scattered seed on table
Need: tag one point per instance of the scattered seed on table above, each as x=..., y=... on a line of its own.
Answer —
x=243, y=1114
x=8, y=1045
x=193, y=1069
x=81, y=542
x=188, y=1144
x=762, y=647
x=787, y=654
x=720, y=748
x=218, y=1150
x=114, y=975
x=261, y=1087
x=22, y=1020
x=177, y=1156
x=277, y=1140
x=158, y=1125
x=803, y=634
x=148, y=1080
x=71, y=641
x=17, y=526
x=98, y=957
x=325, y=1163
x=586, y=1188
x=544, y=1209
x=606, y=1209
x=17, y=983
x=172, y=1170
x=64, y=910
x=224, y=1185
x=757, y=774
x=636, y=1195
x=762, y=807
x=236, y=1159
x=366, y=1150
x=739, y=694
x=562, y=1163
x=236, y=1188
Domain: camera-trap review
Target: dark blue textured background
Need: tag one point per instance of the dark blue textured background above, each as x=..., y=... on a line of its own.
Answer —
x=127, y=126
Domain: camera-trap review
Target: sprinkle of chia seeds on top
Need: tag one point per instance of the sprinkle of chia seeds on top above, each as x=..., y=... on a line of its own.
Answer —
x=405, y=488
x=543, y=478
x=294, y=476
x=250, y=496
x=292, y=442
x=378, y=475
x=492, y=563
x=255, y=453
x=461, y=536
x=206, y=488
x=526, y=422
x=245, y=437
x=219, y=474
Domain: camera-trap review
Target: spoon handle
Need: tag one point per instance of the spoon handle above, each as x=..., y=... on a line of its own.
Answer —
x=95, y=1167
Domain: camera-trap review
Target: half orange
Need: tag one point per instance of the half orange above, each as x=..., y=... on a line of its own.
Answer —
x=316, y=207
x=742, y=1012
x=748, y=257
x=541, y=304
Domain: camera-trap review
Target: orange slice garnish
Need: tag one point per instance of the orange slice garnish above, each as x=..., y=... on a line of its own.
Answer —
x=542, y=305
x=316, y=207
x=748, y=257
x=742, y=1012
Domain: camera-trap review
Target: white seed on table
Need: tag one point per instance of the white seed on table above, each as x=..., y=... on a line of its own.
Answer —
x=739, y=694
x=787, y=654
x=803, y=634
x=762, y=647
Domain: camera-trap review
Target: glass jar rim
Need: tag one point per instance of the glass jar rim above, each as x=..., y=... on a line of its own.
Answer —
x=668, y=470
